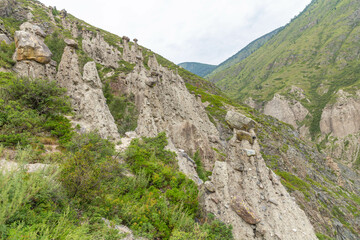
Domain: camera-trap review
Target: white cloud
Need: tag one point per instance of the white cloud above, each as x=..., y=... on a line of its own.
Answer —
x=206, y=31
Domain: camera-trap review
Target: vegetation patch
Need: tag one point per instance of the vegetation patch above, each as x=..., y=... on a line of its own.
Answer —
x=29, y=108
x=6, y=53
x=292, y=183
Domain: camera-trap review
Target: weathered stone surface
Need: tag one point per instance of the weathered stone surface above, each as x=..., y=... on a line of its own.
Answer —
x=34, y=29
x=9, y=166
x=31, y=47
x=244, y=211
x=249, y=195
x=123, y=230
x=250, y=152
x=343, y=117
x=34, y=69
x=209, y=186
x=99, y=50
x=285, y=110
x=243, y=135
x=71, y=43
x=151, y=82
x=169, y=106
x=87, y=98
x=239, y=121
x=4, y=38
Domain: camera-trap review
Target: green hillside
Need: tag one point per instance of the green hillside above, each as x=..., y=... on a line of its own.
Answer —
x=199, y=69
x=317, y=51
x=87, y=182
x=217, y=73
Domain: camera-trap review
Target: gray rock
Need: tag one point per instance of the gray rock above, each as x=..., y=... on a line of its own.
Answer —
x=209, y=186
x=34, y=69
x=98, y=49
x=239, y=121
x=71, y=43
x=31, y=47
x=151, y=82
x=87, y=98
x=244, y=211
x=285, y=110
x=4, y=38
x=243, y=135
x=250, y=152
x=34, y=29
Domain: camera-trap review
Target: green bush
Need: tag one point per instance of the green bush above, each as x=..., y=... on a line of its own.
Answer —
x=41, y=95
x=202, y=173
x=56, y=44
x=30, y=108
x=6, y=53
x=124, y=112
x=90, y=162
x=34, y=206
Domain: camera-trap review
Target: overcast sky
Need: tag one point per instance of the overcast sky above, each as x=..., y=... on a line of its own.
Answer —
x=207, y=31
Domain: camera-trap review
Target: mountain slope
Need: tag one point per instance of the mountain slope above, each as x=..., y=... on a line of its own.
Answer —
x=305, y=72
x=216, y=74
x=199, y=69
x=182, y=127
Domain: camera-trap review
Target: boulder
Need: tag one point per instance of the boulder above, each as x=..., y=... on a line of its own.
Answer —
x=34, y=29
x=239, y=121
x=30, y=47
x=151, y=82
x=4, y=38
x=243, y=135
x=209, y=186
x=71, y=43
x=250, y=152
x=244, y=211
x=34, y=69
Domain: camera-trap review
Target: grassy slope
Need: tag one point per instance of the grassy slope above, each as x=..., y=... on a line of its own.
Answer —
x=270, y=132
x=318, y=50
x=217, y=73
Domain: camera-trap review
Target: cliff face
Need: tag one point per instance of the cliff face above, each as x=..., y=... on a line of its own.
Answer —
x=242, y=190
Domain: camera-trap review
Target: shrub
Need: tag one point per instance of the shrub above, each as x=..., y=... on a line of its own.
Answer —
x=29, y=108
x=89, y=163
x=6, y=53
x=41, y=95
x=55, y=43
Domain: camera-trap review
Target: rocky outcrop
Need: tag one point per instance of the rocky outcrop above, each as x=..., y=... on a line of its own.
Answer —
x=30, y=45
x=98, y=49
x=242, y=190
x=32, y=55
x=34, y=69
x=341, y=118
x=4, y=38
x=10, y=8
x=250, y=197
x=287, y=111
x=167, y=105
x=87, y=98
x=239, y=121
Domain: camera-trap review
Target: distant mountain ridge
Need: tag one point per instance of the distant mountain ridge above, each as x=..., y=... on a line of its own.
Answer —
x=210, y=71
x=199, y=69
x=242, y=54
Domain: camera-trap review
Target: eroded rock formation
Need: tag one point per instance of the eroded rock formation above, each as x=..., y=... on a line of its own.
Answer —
x=341, y=118
x=32, y=55
x=284, y=110
x=249, y=196
x=242, y=191
x=99, y=50
x=86, y=95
